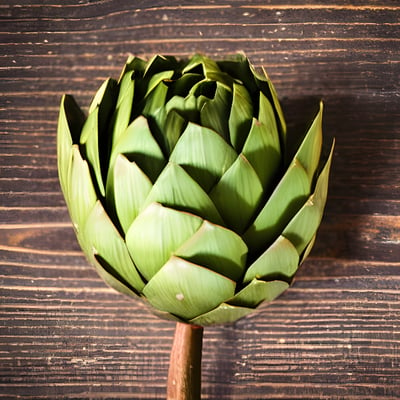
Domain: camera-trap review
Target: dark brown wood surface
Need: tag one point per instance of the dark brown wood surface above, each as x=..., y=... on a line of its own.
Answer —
x=335, y=334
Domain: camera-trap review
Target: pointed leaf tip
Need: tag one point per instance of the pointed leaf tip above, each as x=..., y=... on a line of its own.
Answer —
x=301, y=229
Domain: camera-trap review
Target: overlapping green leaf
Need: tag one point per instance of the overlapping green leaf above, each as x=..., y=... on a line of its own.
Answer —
x=156, y=94
x=260, y=147
x=131, y=188
x=186, y=107
x=81, y=195
x=285, y=201
x=111, y=277
x=176, y=189
x=134, y=64
x=106, y=96
x=238, y=194
x=308, y=249
x=90, y=140
x=138, y=145
x=240, y=118
x=94, y=135
x=224, y=313
x=123, y=109
x=309, y=151
x=107, y=243
x=214, y=113
x=304, y=225
x=238, y=67
x=70, y=122
x=156, y=234
x=180, y=286
x=156, y=79
x=209, y=69
x=258, y=291
x=280, y=259
x=170, y=125
x=216, y=248
x=267, y=88
x=158, y=64
x=183, y=85
x=203, y=154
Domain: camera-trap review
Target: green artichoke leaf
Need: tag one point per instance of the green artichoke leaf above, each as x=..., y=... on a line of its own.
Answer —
x=81, y=195
x=303, y=226
x=281, y=258
x=239, y=68
x=105, y=99
x=161, y=314
x=94, y=135
x=173, y=128
x=105, y=95
x=261, y=145
x=156, y=234
x=156, y=95
x=90, y=141
x=308, y=249
x=207, y=65
x=214, y=113
x=181, y=86
x=157, y=80
x=309, y=151
x=224, y=313
x=216, y=248
x=130, y=187
x=287, y=198
x=186, y=289
x=138, y=144
x=203, y=154
x=240, y=118
x=258, y=291
x=70, y=122
x=176, y=189
x=209, y=68
x=107, y=243
x=156, y=71
x=123, y=110
x=266, y=116
x=110, y=276
x=267, y=88
x=170, y=125
x=153, y=104
x=126, y=89
x=186, y=107
x=159, y=64
x=238, y=194
x=135, y=64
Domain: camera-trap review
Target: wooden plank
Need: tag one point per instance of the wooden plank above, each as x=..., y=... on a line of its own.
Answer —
x=334, y=334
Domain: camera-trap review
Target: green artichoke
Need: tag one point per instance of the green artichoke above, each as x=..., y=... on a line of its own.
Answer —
x=182, y=190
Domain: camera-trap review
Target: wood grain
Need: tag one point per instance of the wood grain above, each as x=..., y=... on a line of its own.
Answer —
x=335, y=334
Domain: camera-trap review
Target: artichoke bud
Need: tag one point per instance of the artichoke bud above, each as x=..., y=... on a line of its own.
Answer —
x=181, y=189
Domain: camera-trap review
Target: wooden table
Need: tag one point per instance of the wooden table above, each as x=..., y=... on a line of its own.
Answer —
x=335, y=334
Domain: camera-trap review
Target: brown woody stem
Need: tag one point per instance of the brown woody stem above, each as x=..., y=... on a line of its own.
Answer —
x=184, y=376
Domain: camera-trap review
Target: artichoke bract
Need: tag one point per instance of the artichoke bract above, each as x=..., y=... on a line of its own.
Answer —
x=182, y=190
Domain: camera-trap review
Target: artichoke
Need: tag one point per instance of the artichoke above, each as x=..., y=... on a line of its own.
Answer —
x=182, y=189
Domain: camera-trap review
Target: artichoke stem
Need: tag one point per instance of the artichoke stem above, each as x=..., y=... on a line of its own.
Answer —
x=184, y=376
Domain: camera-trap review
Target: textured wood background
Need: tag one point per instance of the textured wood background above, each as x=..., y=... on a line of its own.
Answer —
x=335, y=334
